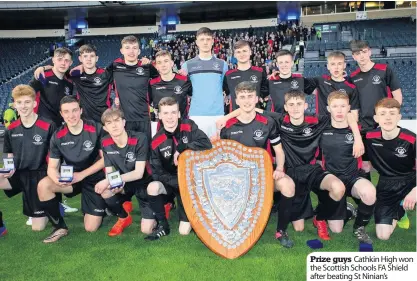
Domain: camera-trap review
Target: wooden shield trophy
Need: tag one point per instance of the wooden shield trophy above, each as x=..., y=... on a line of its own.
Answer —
x=227, y=193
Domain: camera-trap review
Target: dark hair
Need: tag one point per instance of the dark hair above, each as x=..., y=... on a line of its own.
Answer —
x=167, y=101
x=62, y=52
x=358, y=45
x=297, y=94
x=68, y=99
x=284, y=53
x=245, y=86
x=204, y=31
x=240, y=44
x=87, y=48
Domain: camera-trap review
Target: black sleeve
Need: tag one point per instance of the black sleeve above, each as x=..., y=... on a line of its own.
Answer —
x=100, y=134
x=188, y=87
x=199, y=140
x=158, y=171
x=107, y=161
x=277, y=117
x=274, y=136
x=226, y=86
x=7, y=146
x=142, y=148
x=392, y=80
x=264, y=85
x=153, y=73
x=107, y=76
x=223, y=134
x=324, y=119
x=150, y=94
x=310, y=84
x=53, y=149
x=109, y=68
x=52, y=129
x=35, y=84
x=354, y=100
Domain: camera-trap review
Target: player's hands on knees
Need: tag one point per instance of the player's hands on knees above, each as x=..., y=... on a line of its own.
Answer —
x=8, y=175
x=117, y=101
x=176, y=154
x=77, y=177
x=278, y=174
x=358, y=149
x=410, y=200
x=38, y=72
x=56, y=181
x=118, y=189
x=101, y=186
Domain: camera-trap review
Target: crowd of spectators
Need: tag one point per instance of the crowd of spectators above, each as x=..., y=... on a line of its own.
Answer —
x=264, y=47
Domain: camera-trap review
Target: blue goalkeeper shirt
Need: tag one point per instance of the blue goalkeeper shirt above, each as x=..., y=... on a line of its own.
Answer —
x=207, y=80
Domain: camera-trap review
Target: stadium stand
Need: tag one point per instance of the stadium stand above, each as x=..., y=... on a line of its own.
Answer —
x=24, y=54
x=400, y=32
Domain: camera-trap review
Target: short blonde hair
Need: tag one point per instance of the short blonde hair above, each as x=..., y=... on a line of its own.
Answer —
x=337, y=95
x=130, y=40
x=163, y=53
x=23, y=91
x=111, y=113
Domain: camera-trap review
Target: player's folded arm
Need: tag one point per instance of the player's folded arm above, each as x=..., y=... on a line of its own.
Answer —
x=158, y=171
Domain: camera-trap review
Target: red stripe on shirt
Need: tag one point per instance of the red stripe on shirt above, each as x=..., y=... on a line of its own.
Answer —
x=89, y=128
x=158, y=141
x=42, y=124
x=407, y=137
x=132, y=141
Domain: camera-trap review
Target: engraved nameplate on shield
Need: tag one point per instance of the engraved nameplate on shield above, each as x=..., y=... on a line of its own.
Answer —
x=227, y=195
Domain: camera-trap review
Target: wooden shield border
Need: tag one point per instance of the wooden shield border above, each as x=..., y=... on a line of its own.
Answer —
x=259, y=215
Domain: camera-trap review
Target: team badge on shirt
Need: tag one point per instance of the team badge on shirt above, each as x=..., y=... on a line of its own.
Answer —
x=88, y=145
x=130, y=157
x=376, y=80
x=97, y=81
x=216, y=66
x=254, y=79
x=178, y=90
x=258, y=135
x=140, y=71
x=307, y=132
x=37, y=140
x=67, y=91
x=294, y=84
x=185, y=139
x=343, y=91
x=349, y=138
x=401, y=152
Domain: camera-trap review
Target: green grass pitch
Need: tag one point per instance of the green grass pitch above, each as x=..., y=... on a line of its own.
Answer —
x=95, y=256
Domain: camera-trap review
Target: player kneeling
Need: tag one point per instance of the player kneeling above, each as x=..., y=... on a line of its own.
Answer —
x=392, y=151
x=26, y=144
x=174, y=137
x=77, y=143
x=125, y=156
x=336, y=145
